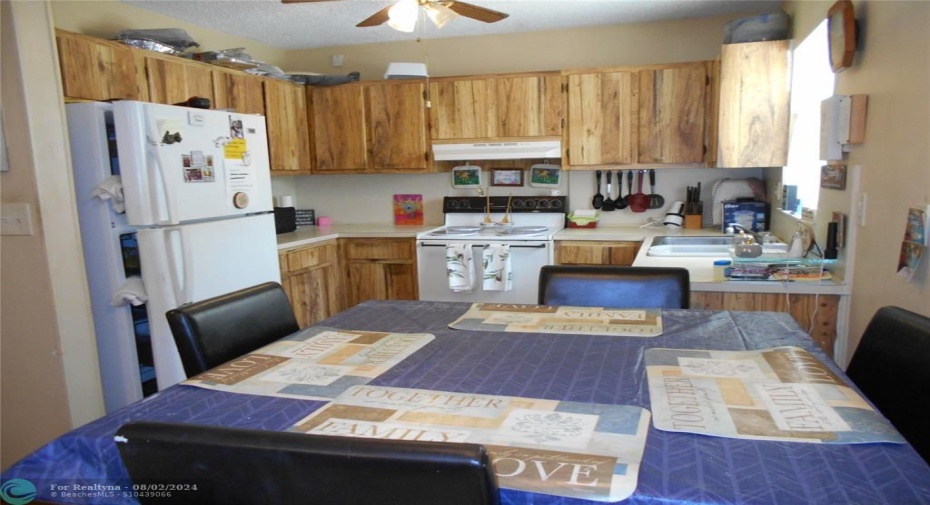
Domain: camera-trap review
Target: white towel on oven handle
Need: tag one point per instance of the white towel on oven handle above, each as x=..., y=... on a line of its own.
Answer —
x=460, y=267
x=498, y=276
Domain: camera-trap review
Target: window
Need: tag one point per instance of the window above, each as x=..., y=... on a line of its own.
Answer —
x=811, y=82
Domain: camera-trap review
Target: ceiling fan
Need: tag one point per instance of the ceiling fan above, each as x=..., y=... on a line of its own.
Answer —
x=404, y=13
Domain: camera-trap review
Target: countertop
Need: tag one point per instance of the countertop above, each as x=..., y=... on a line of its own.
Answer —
x=700, y=268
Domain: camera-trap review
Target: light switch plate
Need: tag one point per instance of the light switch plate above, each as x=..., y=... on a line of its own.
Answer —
x=16, y=219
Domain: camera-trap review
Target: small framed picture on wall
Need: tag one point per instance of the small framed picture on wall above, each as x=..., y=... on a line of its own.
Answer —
x=506, y=177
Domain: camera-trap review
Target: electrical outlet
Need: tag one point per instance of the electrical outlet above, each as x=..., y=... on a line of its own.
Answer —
x=861, y=204
x=16, y=219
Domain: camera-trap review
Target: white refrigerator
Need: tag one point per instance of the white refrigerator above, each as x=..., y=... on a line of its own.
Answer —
x=175, y=206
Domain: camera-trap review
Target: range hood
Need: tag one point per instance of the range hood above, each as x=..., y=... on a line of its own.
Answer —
x=498, y=150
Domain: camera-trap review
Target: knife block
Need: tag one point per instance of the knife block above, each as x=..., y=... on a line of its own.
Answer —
x=693, y=221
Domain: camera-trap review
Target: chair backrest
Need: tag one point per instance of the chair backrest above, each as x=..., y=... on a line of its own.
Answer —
x=211, y=332
x=892, y=368
x=237, y=466
x=614, y=286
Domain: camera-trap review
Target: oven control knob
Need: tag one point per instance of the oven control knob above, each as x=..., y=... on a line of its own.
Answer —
x=453, y=204
x=465, y=204
x=518, y=204
x=556, y=204
x=544, y=204
x=531, y=204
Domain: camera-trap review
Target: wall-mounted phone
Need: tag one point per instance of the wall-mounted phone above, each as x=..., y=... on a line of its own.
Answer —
x=842, y=123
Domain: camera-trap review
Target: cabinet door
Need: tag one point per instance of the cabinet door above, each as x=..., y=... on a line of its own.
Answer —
x=288, y=132
x=379, y=269
x=460, y=109
x=94, y=69
x=339, y=133
x=311, y=278
x=240, y=92
x=596, y=253
x=171, y=82
x=600, y=118
x=528, y=106
x=672, y=112
x=753, y=117
x=397, y=126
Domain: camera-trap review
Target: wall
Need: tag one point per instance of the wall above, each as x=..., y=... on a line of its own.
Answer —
x=892, y=66
x=50, y=380
x=106, y=18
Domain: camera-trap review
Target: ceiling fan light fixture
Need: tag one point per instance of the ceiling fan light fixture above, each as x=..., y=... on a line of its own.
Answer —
x=402, y=16
x=439, y=13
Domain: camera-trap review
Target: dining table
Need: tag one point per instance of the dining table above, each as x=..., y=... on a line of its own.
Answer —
x=676, y=467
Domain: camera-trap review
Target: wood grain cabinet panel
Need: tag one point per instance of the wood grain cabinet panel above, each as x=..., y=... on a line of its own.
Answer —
x=241, y=92
x=529, y=106
x=460, y=109
x=672, y=114
x=176, y=80
x=601, y=118
x=379, y=269
x=95, y=69
x=288, y=129
x=596, y=253
x=339, y=128
x=397, y=127
x=311, y=278
x=754, y=99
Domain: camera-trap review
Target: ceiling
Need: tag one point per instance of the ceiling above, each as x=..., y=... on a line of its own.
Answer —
x=332, y=23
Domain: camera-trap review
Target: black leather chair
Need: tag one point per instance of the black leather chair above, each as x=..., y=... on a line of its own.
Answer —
x=236, y=466
x=213, y=331
x=614, y=286
x=892, y=368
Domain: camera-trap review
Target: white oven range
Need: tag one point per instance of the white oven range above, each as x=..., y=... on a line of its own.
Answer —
x=527, y=229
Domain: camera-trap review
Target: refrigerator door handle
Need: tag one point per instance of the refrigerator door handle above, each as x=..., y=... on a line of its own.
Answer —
x=159, y=182
x=179, y=262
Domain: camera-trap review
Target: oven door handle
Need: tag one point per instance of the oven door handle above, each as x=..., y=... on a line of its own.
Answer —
x=538, y=246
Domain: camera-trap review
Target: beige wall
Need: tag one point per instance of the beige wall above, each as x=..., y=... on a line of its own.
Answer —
x=106, y=18
x=892, y=66
x=49, y=377
x=666, y=42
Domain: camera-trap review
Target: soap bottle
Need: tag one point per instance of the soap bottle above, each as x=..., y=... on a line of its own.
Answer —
x=797, y=246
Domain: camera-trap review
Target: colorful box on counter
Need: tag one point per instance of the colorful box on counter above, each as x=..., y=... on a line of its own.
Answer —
x=750, y=215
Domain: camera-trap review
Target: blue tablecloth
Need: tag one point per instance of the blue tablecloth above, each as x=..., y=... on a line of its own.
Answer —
x=676, y=467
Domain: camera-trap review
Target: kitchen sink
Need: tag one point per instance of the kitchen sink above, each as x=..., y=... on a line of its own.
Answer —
x=713, y=246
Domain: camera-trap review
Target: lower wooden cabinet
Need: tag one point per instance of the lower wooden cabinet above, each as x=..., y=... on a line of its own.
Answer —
x=585, y=252
x=379, y=269
x=801, y=307
x=312, y=278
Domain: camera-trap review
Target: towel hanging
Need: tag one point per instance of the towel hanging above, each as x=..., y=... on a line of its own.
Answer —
x=498, y=275
x=132, y=292
x=460, y=267
x=111, y=188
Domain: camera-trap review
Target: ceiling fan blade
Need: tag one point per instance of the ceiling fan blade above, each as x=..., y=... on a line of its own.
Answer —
x=378, y=18
x=473, y=11
x=304, y=1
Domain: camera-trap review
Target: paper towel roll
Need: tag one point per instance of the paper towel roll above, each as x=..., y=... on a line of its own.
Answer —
x=285, y=201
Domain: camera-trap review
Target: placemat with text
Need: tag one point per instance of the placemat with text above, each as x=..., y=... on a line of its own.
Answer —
x=782, y=393
x=318, y=363
x=578, y=450
x=561, y=319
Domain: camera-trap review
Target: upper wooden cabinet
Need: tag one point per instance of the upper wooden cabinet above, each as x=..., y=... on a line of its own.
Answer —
x=238, y=91
x=288, y=131
x=753, y=119
x=652, y=115
x=175, y=80
x=601, y=118
x=95, y=69
x=673, y=113
x=502, y=106
x=370, y=128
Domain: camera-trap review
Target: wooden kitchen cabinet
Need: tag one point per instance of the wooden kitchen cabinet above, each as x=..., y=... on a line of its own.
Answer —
x=288, y=128
x=673, y=103
x=496, y=107
x=238, y=91
x=370, y=128
x=601, y=118
x=173, y=80
x=754, y=105
x=311, y=278
x=800, y=306
x=95, y=69
x=379, y=269
x=585, y=252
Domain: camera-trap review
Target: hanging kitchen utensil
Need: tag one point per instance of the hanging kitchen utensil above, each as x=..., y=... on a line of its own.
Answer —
x=609, y=204
x=598, y=201
x=629, y=187
x=656, y=201
x=639, y=201
x=621, y=202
